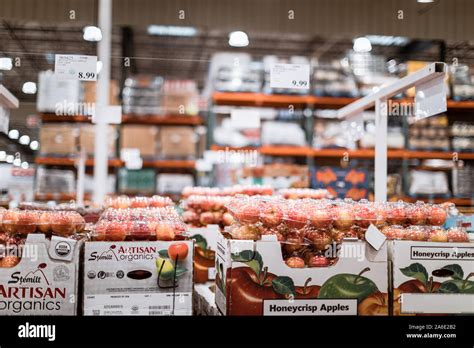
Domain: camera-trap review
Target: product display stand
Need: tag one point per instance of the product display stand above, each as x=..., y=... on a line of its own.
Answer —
x=430, y=81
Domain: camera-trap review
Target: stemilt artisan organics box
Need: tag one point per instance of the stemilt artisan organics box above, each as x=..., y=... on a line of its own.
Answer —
x=137, y=278
x=253, y=279
x=432, y=277
x=45, y=281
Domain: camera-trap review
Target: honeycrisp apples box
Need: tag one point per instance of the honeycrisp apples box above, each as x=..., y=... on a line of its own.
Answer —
x=432, y=278
x=138, y=278
x=253, y=279
x=45, y=281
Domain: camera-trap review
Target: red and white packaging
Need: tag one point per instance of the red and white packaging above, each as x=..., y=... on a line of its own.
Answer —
x=44, y=281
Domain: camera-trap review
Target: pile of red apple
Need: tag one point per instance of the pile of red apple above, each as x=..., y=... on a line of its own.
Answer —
x=139, y=224
x=206, y=210
x=336, y=219
x=299, y=193
x=249, y=190
x=426, y=233
x=125, y=202
x=20, y=223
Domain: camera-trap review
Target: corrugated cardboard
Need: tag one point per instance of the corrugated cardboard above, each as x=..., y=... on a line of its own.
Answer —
x=58, y=139
x=144, y=138
x=177, y=142
x=87, y=140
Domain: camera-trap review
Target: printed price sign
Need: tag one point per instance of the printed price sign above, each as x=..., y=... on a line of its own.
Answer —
x=75, y=67
x=289, y=76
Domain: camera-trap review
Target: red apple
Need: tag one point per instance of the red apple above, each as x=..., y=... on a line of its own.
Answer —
x=206, y=218
x=296, y=218
x=457, y=235
x=246, y=232
x=10, y=220
x=319, y=240
x=294, y=242
x=318, y=261
x=115, y=231
x=436, y=215
x=365, y=214
x=27, y=222
x=416, y=214
x=190, y=216
x=394, y=232
x=343, y=217
x=78, y=222
x=62, y=225
x=321, y=218
x=248, y=213
x=227, y=219
x=178, y=251
x=164, y=231
x=139, y=202
x=44, y=223
x=438, y=235
x=271, y=215
x=141, y=230
x=416, y=233
x=396, y=214
x=9, y=261
x=295, y=262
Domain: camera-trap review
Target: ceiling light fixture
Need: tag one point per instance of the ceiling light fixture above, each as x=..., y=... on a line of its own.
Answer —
x=92, y=33
x=170, y=30
x=34, y=145
x=238, y=39
x=362, y=44
x=6, y=63
x=29, y=88
x=14, y=134
x=24, y=140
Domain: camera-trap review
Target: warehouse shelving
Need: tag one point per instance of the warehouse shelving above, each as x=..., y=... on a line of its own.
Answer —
x=165, y=120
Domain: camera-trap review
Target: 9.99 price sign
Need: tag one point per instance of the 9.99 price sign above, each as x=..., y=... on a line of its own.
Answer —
x=75, y=67
x=293, y=76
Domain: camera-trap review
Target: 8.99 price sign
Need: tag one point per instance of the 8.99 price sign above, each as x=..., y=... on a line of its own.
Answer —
x=75, y=67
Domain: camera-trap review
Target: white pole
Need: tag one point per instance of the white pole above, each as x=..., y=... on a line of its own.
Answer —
x=81, y=173
x=100, y=147
x=381, y=150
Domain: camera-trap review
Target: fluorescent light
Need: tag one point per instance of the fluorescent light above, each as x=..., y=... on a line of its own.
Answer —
x=17, y=162
x=424, y=1
x=99, y=66
x=170, y=30
x=24, y=140
x=385, y=40
x=29, y=88
x=362, y=44
x=25, y=165
x=6, y=63
x=13, y=134
x=238, y=39
x=3, y=155
x=10, y=158
x=92, y=33
x=34, y=145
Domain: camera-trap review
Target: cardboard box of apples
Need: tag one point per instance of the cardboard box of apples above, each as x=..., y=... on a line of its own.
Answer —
x=39, y=276
x=139, y=262
x=310, y=257
x=39, y=262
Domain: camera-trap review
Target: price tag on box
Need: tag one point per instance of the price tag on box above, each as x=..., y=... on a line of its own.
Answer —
x=289, y=76
x=75, y=67
x=244, y=119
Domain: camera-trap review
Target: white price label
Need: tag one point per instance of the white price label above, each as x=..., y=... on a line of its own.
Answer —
x=75, y=67
x=289, y=76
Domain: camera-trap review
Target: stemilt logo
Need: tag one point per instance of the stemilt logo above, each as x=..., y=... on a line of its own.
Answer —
x=37, y=331
x=32, y=277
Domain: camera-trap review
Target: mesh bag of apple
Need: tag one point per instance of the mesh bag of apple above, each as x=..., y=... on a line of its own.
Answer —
x=124, y=202
x=16, y=224
x=299, y=193
x=201, y=211
x=307, y=228
x=139, y=224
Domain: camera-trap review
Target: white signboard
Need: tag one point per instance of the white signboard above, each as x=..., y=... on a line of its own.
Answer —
x=75, y=67
x=289, y=76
